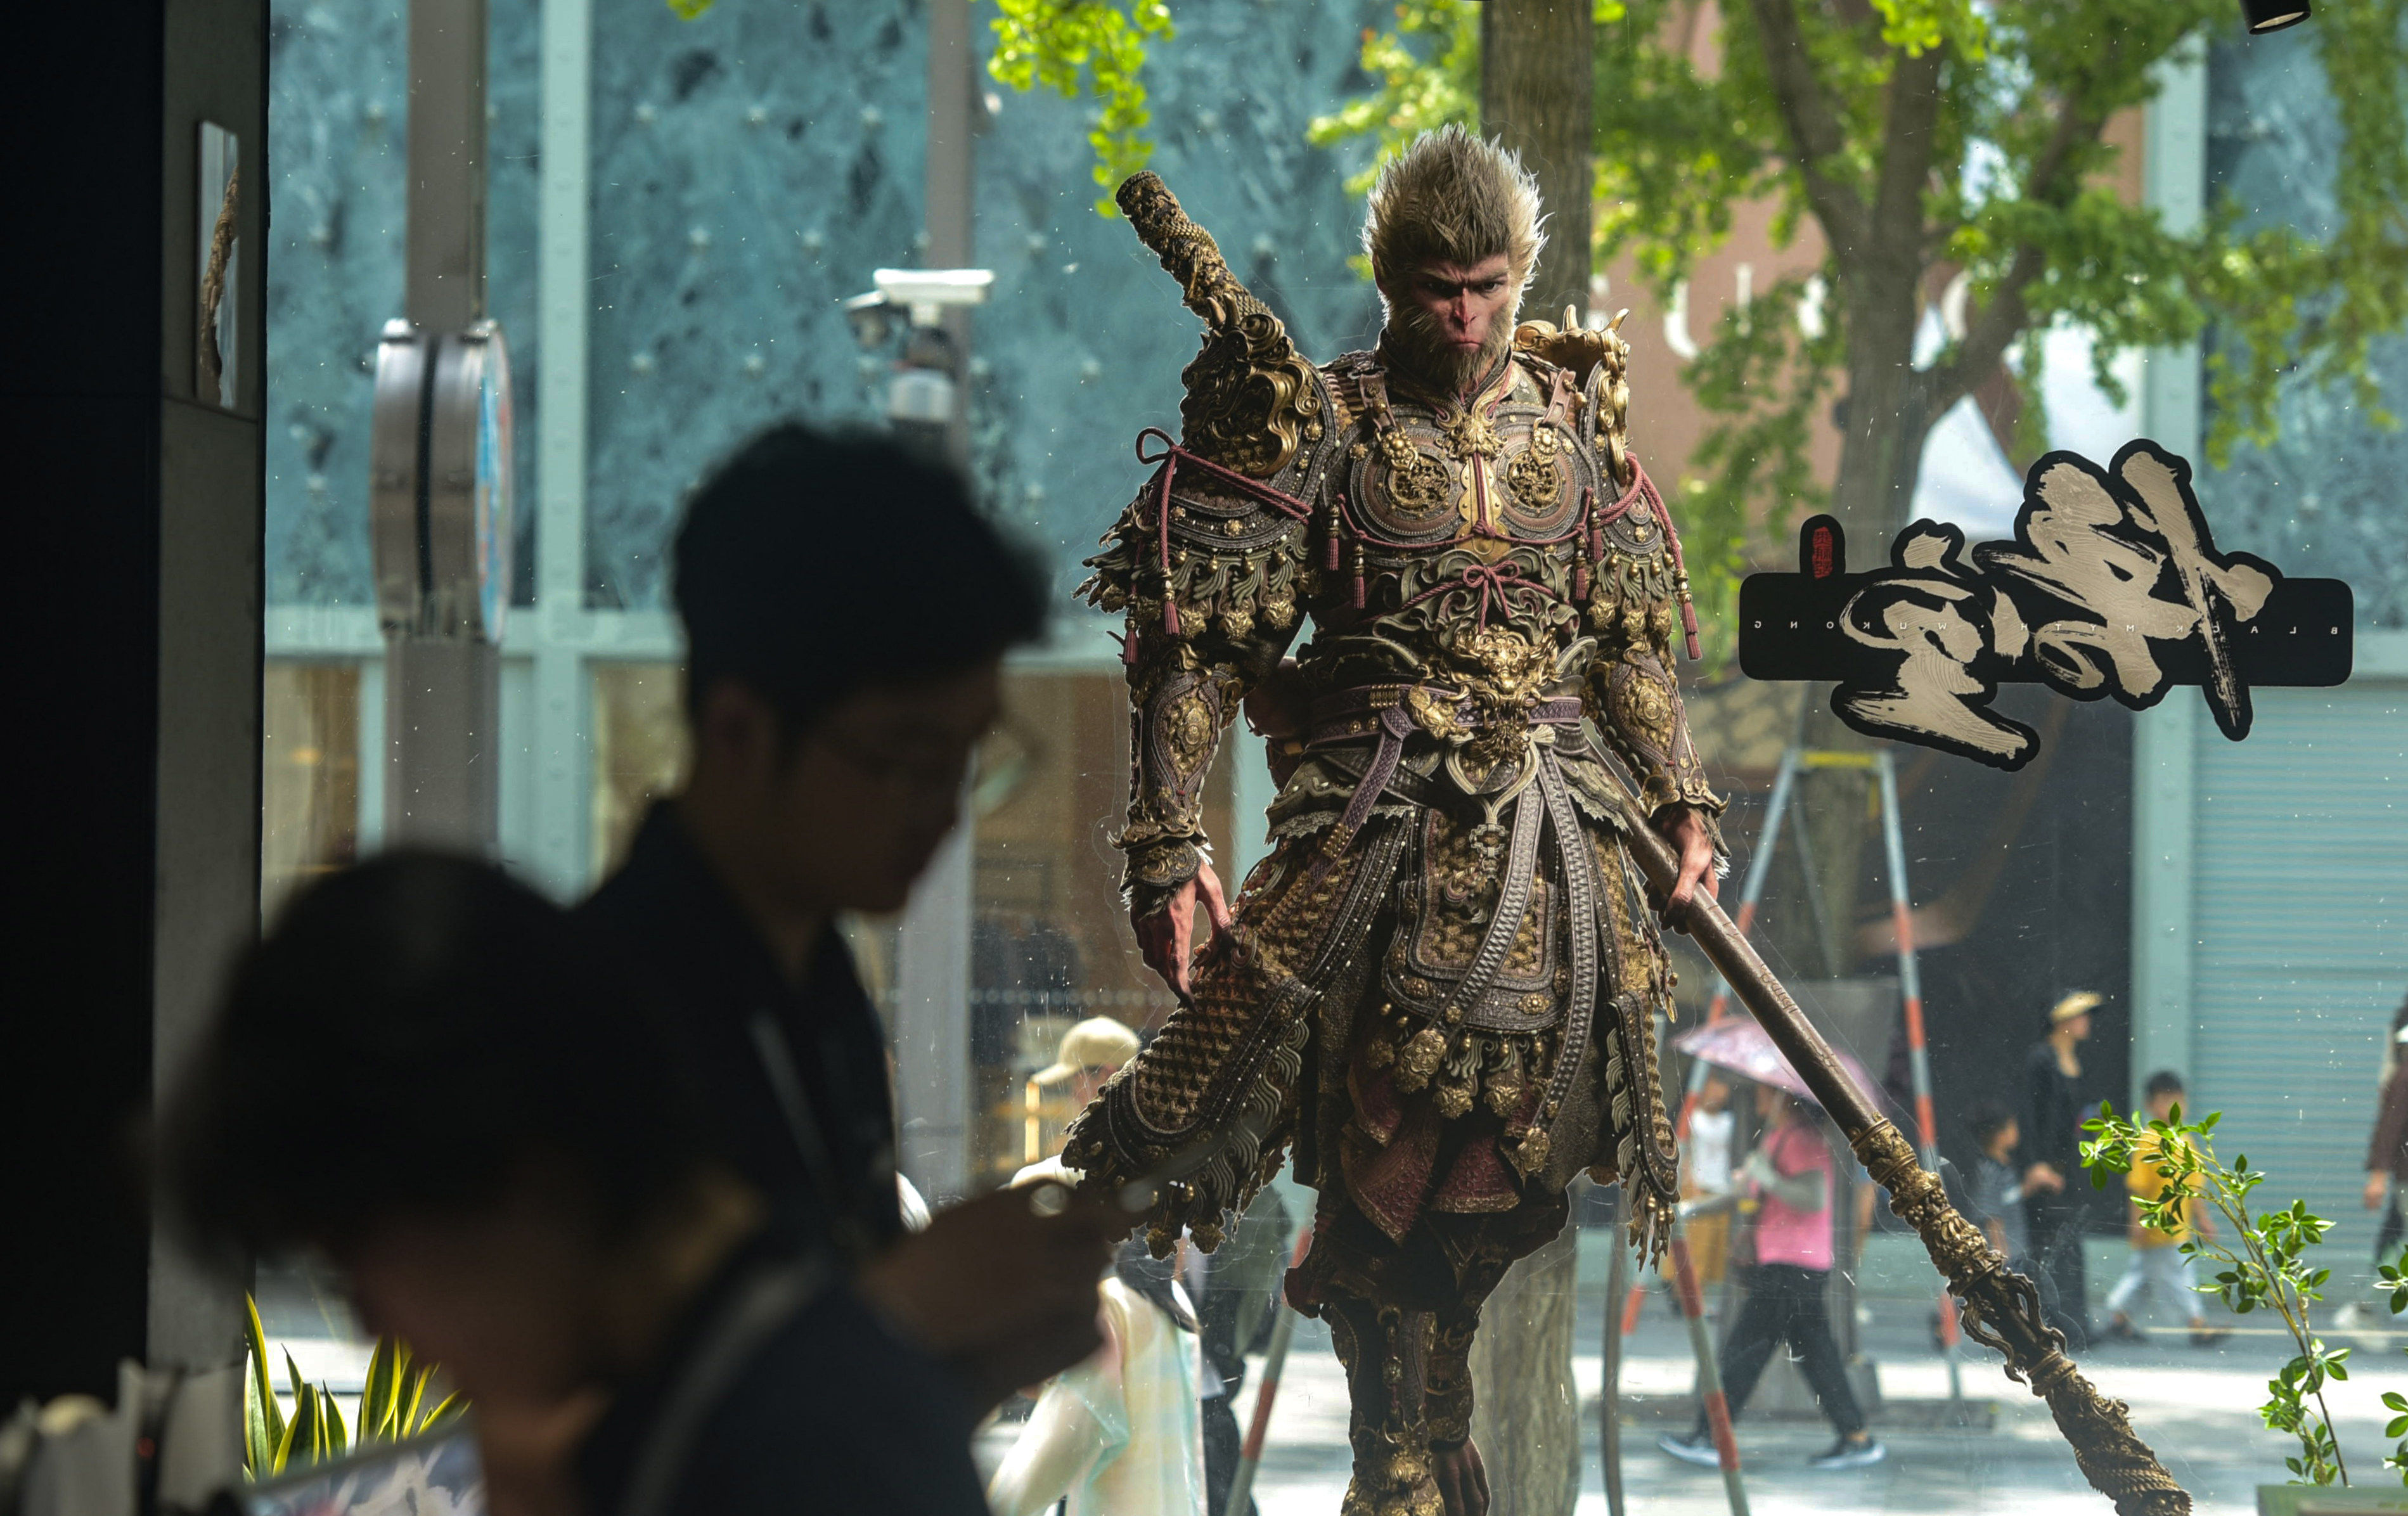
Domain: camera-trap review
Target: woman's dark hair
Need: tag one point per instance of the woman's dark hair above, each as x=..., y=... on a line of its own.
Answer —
x=410, y=1034
x=811, y=567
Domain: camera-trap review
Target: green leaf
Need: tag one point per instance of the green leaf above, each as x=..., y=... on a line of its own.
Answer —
x=330, y=1415
x=258, y=1449
x=377, y=1392
x=283, y=1457
x=271, y=1413
x=301, y=1439
x=407, y=1422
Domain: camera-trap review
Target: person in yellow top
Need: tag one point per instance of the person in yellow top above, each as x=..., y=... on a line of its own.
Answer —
x=2158, y=1264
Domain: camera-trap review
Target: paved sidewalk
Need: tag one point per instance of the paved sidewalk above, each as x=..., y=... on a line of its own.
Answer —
x=2198, y=1406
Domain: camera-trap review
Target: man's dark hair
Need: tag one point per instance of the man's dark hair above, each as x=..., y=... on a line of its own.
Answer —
x=411, y=1034
x=1988, y=1118
x=813, y=566
x=2164, y=1081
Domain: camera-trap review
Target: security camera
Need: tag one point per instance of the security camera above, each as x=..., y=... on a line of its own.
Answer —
x=928, y=291
x=872, y=320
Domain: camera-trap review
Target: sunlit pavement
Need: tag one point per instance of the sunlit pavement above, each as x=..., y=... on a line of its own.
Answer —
x=2197, y=1406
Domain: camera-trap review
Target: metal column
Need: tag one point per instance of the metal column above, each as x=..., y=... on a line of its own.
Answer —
x=1909, y=983
x=443, y=691
x=562, y=746
x=932, y=1033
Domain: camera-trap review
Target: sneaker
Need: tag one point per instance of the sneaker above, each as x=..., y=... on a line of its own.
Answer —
x=1846, y=1455
x=1694, y=1449
x=2205, y=1336
x=2120, y=1330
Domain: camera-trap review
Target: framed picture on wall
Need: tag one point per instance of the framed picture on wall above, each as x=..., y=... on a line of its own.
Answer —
x=215, y=376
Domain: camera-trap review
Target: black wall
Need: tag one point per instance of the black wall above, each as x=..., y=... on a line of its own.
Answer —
x=133, y=663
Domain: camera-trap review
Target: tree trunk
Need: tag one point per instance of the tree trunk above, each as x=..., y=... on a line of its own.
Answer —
x=1536, y=86
x=1526, y=1419
x=1884, y=426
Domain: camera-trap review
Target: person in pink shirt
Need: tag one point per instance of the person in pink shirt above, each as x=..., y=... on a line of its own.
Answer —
x=1789, y=1175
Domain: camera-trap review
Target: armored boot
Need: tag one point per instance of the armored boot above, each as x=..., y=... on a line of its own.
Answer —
x=1386, y=1352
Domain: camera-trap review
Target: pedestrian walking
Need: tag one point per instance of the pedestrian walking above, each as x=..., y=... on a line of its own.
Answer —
x=1118, y=1435
x=2387, y=1165
x=1790, y=1175
x=1996, y=1203
x=2159, y=1266
x=1706, y=1176
x=1121, y=1434
x=1241, y=1303
x=2057, y=1212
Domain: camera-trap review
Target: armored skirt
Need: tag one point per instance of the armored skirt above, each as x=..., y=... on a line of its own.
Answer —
x=1449, y=1012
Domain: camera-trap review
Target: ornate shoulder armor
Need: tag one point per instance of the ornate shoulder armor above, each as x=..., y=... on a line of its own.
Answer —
x=1204, y=550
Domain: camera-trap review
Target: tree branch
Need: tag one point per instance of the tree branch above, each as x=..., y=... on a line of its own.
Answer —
x=1989, y=333
x=1815, y=130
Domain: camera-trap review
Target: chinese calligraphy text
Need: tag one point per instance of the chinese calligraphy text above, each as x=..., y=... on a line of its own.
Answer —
x=2112, y=585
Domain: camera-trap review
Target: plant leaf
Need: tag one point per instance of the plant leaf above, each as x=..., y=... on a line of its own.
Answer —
x=271, y=1413
x=330, y=1420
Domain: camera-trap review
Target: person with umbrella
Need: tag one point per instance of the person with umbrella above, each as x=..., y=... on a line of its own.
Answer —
x=1790, y=1177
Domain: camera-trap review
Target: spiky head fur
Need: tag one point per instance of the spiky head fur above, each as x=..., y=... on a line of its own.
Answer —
x=1453, y=197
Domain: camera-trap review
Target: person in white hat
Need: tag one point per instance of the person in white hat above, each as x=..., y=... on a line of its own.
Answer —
x=1091, y=1053
x=1121, y=1434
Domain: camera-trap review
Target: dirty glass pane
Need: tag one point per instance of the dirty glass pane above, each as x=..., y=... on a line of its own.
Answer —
x=2234, y=906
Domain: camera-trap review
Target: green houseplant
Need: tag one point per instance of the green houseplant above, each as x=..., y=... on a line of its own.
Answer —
x=393, y=1405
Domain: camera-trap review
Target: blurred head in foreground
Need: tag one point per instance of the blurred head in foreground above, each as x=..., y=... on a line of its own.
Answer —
x=428, y=1073
x=847, y=611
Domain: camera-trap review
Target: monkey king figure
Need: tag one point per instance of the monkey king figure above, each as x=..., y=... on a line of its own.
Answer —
x=1440, y=988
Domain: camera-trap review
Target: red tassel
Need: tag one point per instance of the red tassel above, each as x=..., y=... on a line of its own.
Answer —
x=1169, y=617
x=1689, y=624
x=1358, y=579
x=1580, y=581
x=1128, y=647
x=1329, y=548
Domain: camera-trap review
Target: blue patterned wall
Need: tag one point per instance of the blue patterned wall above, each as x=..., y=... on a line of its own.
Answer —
x=749, y=170
x=2330, y=496
x=337, y=90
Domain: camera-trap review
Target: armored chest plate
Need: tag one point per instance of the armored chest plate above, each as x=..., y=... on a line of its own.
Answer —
x=1505, y=473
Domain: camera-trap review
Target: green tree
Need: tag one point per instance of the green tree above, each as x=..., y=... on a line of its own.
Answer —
x=1923, y=137
x=1923, y=140
x=1094, y=47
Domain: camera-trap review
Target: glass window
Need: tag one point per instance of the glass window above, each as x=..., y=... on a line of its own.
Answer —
x=677, y=209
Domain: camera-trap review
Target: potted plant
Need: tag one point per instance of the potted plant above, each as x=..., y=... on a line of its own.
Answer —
x=393, y=1405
